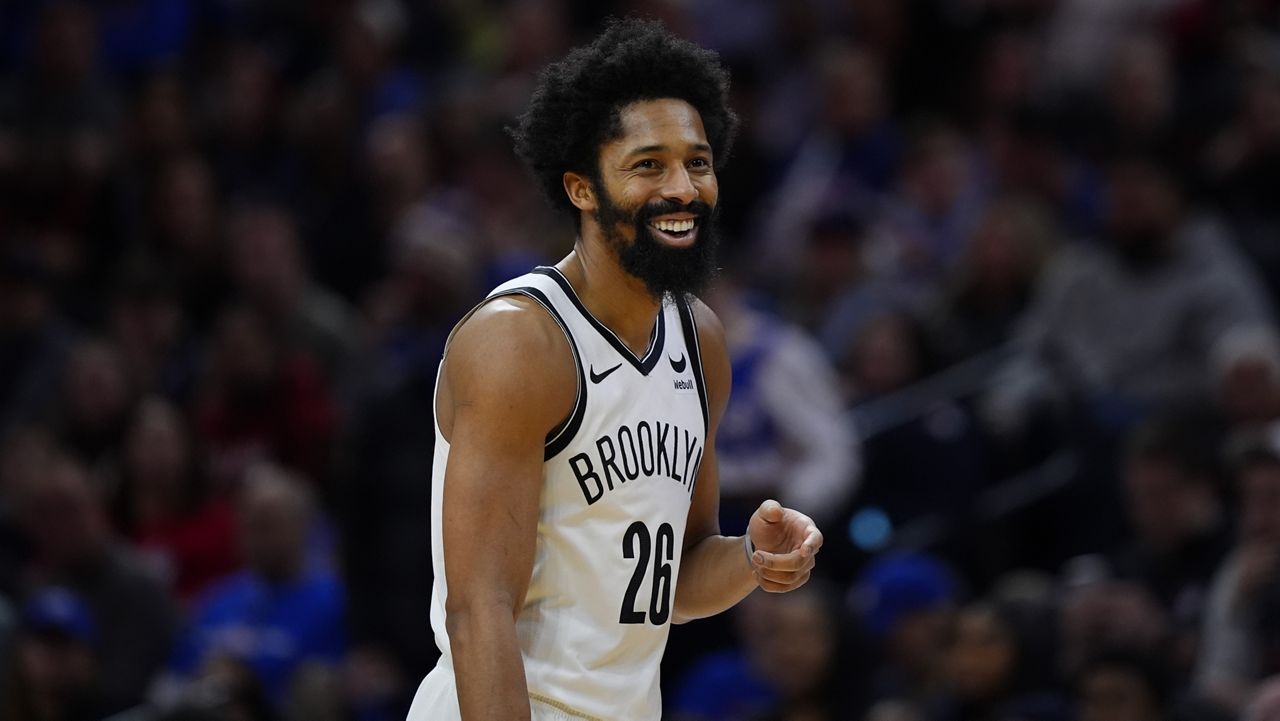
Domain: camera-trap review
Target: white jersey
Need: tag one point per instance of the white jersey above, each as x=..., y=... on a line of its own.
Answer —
x=617, y=483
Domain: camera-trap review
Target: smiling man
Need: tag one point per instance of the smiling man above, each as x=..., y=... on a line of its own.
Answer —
x=574, y=489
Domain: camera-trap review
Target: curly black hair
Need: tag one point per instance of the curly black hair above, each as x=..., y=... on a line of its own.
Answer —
x=575, y=106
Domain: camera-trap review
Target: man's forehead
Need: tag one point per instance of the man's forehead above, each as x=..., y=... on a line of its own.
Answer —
x=661, y=122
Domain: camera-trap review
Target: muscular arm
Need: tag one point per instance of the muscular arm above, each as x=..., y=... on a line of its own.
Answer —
x=715, y=572
x=495, y=409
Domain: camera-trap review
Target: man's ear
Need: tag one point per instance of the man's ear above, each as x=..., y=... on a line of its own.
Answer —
x=580, y=191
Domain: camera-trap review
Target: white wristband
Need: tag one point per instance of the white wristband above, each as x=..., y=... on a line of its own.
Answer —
x=751, y=550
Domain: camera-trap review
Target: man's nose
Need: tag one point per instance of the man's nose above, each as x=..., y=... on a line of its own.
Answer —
x=679, y=187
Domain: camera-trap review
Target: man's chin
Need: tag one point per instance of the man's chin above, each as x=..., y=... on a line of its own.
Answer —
x=666, y=268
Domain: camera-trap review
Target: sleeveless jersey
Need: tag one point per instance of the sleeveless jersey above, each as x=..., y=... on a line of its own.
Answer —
x=617, y=482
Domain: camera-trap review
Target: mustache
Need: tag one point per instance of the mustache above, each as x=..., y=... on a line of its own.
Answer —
x=699, y=209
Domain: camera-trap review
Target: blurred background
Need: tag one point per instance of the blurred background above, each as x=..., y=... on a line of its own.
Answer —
x=999, y=287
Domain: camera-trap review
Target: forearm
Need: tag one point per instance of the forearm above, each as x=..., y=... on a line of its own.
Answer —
x=487, y=664
x=714, y=575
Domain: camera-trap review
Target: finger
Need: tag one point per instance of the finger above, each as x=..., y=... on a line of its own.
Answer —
x=789, y=562
x=812, y=542
x=770, y=511
x=783, y=577
x=792, y=561
x=782, y=586
x=771, y=586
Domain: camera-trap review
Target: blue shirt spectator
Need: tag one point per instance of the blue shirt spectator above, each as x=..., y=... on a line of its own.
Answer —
x=273, y=628
x=724, y=687
x=286, y=610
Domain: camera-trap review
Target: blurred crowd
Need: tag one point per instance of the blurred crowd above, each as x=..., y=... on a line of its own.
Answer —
x=999, y=287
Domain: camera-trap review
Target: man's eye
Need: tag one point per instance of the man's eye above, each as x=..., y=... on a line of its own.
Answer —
x=649, y=164
x=700, y=163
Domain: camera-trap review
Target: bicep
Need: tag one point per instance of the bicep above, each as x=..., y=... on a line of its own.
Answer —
x=491, y=490
x=501, y=407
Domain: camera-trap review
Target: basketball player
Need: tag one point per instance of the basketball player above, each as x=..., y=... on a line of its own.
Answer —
x=574, y=488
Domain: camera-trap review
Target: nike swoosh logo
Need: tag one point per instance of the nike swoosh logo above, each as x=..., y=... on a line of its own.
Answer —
x=677, y=366
x=597, y=378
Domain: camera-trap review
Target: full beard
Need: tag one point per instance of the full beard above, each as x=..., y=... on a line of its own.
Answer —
x=662, y=268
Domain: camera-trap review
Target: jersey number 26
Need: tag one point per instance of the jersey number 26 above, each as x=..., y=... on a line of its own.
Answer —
x=636, y=543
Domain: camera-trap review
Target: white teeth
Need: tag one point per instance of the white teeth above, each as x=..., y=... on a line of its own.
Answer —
x=674, y=226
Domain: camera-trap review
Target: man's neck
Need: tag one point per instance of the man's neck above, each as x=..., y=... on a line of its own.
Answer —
x=616, y=298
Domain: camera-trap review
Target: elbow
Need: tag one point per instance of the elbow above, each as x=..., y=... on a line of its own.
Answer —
x=457, y=619
x=465, y=616
x=682, y=613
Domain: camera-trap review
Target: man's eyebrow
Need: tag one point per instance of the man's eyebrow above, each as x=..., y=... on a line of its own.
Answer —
x=648, y=149
x=701, y=147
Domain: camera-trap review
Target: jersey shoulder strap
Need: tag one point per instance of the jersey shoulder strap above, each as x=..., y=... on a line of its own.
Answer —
x=545, y=293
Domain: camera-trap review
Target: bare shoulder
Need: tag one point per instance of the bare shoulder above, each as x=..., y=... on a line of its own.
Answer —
x=716, y=367
x=509, y=357
x=508, y=322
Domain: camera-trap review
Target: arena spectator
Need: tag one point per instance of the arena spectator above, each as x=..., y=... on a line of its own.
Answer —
x=1026, y=153
x=841, y=291
x=24, y=456
x=1101, y=614
x=906, y=602
x=97, y=399
x=270, y=273
x=785, y=434
x=245, y=118
x=1237, y=653
x=1140, y=100
x=1242, y=165
x=262, y=402
x=183, y=233
x=1122, y=686
x=165, y=505
x=284, y=611
x=401, y=168
x=788, y=665
x=907, y=443
x=50, y=666
x=849, y=155
x=940, y=199
x=151, y=331
x=1180, y=525
x=34, y=341
x=1126, y=327
x=62, y=114
x=1246, y=379
x=65, y=517
x=991, y=284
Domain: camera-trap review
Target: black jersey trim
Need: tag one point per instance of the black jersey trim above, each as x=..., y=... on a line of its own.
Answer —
x=559, y=437
x=694, y=348
x=656, y=341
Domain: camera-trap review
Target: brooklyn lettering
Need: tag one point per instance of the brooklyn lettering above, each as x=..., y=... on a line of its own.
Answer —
x=645, y=450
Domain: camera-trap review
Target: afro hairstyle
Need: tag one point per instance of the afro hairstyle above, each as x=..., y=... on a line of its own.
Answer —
x=575, y=107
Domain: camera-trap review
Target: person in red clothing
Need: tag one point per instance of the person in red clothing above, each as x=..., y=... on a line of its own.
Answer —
x=164, y=503
x=260, y=402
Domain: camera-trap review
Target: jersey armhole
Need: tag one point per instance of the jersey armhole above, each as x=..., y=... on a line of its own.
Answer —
x=690, y=327
x=562, y=433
